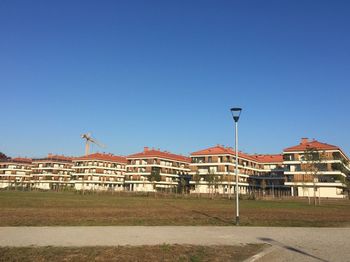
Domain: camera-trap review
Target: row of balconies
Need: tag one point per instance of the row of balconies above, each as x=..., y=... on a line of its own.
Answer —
x=218, y=180
x=14, y=172
x=52, y=165
x=316, y=156
x=54, y=172
x=218, y=168
x=319, y=178
x=226, y=159
x=33, y=179
x=319, y=167
x=50, y=175
x=97, y=171
x=15, y=167
x=224, y=169
x=157, y=162
x=94, y=178
x=161, y=170
x=146, y=178
x=98, y=164
x=50, y=178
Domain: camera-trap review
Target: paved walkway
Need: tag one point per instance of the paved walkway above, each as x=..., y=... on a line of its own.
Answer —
x=288, y=244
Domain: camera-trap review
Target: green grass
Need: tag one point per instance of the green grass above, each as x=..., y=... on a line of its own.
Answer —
x=68, y=208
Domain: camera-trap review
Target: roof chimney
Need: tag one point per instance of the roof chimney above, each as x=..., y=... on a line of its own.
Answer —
x=145, y=149
x=304, y=141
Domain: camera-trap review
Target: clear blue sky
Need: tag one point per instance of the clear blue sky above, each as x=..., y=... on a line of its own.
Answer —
x=165, y=73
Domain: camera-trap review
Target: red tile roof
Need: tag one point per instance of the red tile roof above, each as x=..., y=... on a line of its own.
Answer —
x=20, y=160
x=305, y=144
x=246, y=156
x=103, y=157
x=221, y=150
x=54, y=158
x=215, y=150
x=150, y=153
x=269, y=158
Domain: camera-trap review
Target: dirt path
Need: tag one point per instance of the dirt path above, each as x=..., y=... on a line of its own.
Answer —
x=288, y=244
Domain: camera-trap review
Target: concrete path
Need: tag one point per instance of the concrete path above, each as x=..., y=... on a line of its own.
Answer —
x=288, y=244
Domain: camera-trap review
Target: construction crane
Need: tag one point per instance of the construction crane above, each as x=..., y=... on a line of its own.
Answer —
x=89, y=139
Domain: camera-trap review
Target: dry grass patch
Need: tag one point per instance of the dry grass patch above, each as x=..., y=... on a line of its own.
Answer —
x=70, y=209
x=127, y=253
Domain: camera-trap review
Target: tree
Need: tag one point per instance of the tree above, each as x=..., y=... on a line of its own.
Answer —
x=3, y=156
x=155, y=176
x=347, y=179
x=311, y=166
x=217, y=181
x=210, y=179
x=224, y=183
x=182, y=184
x=253, y=187
x=229, y=179
x=347, y=183
x=263, y=186
x=342, y=168
x=197, y=179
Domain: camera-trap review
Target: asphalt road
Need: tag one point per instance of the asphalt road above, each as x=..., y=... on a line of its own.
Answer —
x=287, y=244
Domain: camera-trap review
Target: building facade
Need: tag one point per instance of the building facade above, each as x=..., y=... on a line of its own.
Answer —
x=99, y=172
x=15, y=173
x=309, y=169
x=270, y=180
x=52, y=172
x=154, y=170
x=317, y=169
x=213, y=170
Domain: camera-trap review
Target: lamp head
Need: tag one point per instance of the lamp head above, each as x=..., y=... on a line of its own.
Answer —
x=236, y=112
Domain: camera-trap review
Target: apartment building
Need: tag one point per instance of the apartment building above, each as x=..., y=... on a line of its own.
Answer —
x=154, y=170
x=15, y=172
x=308, y=169
x=100, y=172
x=213, y=170
x=316, y=168
x=52, y=172
x=271, y=178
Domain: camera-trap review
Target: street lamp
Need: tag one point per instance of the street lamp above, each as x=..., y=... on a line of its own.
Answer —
x=236, y=112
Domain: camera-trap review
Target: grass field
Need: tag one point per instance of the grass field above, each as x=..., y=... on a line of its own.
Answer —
x=70, y=209
x=126, y=253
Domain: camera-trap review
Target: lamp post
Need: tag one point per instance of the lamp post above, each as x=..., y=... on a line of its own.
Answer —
x=236, y=112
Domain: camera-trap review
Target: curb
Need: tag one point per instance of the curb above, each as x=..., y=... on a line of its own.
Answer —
x=260, y=255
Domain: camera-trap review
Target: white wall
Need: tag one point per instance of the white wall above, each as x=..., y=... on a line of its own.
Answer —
x=204, y=189
x=331, y=192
